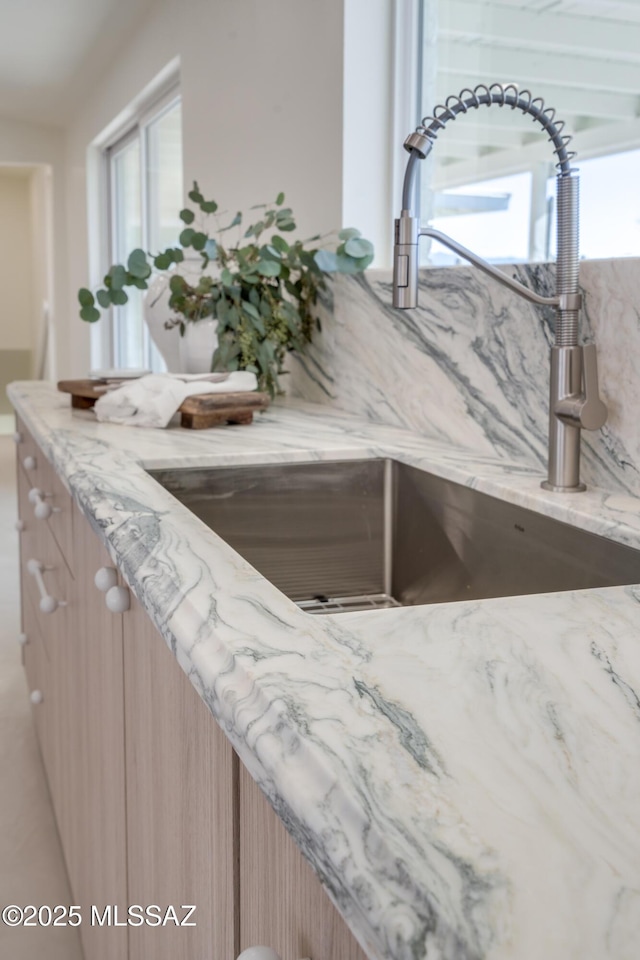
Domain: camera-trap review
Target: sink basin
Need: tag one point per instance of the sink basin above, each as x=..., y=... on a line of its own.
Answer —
x=354, y=535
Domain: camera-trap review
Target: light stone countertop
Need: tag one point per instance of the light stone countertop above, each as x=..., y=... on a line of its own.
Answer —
x=465, y=777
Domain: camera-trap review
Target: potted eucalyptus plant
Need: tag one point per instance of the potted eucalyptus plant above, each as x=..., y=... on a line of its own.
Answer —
x=261, y=287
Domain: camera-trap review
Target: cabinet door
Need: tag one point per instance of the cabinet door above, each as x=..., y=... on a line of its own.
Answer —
x=46, y=635
x=282, y=903
x=88, y=676
x=180, y=791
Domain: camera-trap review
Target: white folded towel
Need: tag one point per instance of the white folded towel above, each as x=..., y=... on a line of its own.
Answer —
x=151, y=401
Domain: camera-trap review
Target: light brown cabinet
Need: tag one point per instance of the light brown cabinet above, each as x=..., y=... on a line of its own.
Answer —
x=152, y=805
x=281, y=901
x=181, y=774
x=92, y=814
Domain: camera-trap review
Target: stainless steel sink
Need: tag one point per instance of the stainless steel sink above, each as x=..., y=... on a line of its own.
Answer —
x=354, y=535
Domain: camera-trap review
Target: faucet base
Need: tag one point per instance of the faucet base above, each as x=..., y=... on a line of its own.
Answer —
x=578, y=488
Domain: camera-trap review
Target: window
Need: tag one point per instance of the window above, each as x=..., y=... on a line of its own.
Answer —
x=144, y=168
x=490, y=180
x=492, y=216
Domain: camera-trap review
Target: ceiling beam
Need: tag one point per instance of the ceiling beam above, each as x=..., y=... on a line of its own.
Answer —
x=533, y=67
x=599, y=141
x=567, y=100
x=545, y=30
x=605, y=10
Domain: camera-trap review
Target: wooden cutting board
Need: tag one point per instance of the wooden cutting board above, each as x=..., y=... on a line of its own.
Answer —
x=196, y=413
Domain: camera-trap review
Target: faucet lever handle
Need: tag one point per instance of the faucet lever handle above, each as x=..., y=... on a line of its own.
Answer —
x=593, y=413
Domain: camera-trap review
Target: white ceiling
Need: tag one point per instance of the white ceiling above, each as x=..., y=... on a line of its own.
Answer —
x=46, y=46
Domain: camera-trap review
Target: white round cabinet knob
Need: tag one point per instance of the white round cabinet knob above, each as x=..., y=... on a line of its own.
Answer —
x=23, y=639
x=29, y=463
x=48, y=604
x=35, y=495
x=105, y=578
x=259, y=953
x=17, y=437
x=117, y=599
x=19, y=525
x=36, y=696
x=43, y=510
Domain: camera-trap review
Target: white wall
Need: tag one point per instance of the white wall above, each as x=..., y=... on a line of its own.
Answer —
x=42, y=247
x=262, y=85
x=16, y=261
x=43, y=147
x=369, y=29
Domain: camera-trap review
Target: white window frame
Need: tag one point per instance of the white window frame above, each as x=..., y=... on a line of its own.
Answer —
x=161, y=95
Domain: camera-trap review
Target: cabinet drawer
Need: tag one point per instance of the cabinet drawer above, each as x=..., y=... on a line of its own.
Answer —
x=33, y=650
x=52, y=510
x=31, y=530
x=37, y=669
x=50, y=589
x=30, y=457
x=60, y=520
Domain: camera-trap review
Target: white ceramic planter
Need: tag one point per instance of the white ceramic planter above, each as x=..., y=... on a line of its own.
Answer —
x=197, y=346
x=191, y=353
x=156, y=314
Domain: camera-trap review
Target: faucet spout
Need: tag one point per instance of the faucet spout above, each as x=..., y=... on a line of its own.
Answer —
x=574, y=402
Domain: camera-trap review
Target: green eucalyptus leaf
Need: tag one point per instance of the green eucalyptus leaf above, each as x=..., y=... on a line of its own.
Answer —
x=195, y=194
x=90, y=314
x=177, y=255
x=187, y=216
x=211, y=249
x=119, y=297
x=140, y=283
x=104, y=299
x=199, y=241
x=162, y=261
x=348, y=233
x=279, y=243
x=187, y=236
x=346, y=264
x=237, y=220
x=208, y=206
x=326, y=260
x=85, y=297
x=177, y=283
x=280, y=199
x=137, y=264
x=251, y=309
x=118, y=276
x=286, y=225
x=268, y=268
x=256, y=320
x=358, y=247
x=226, y=277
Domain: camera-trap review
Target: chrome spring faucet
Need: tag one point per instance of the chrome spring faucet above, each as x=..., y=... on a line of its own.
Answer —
x=575, y=402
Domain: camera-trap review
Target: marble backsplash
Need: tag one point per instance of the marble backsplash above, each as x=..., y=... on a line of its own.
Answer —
x=470, y=365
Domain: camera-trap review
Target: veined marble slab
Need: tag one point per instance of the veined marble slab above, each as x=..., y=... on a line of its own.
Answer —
x=470, y=365
x=464, y=777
